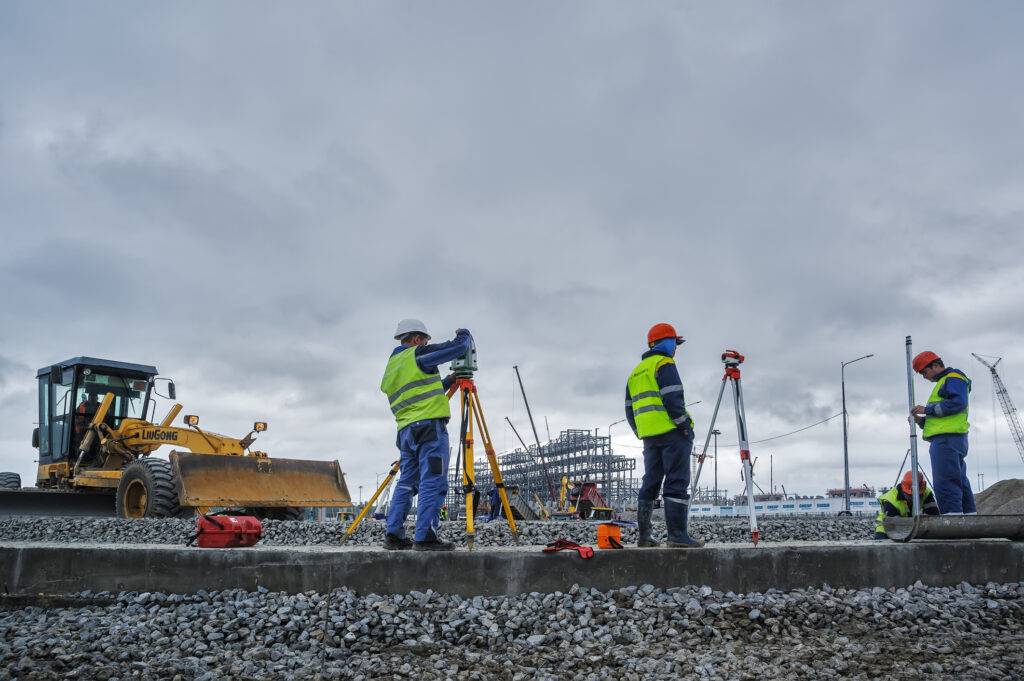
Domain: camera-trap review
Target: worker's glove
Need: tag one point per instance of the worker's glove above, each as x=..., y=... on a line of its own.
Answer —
x=459, y=332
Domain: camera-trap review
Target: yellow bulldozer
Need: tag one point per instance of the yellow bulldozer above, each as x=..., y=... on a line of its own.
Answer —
x=95, y=442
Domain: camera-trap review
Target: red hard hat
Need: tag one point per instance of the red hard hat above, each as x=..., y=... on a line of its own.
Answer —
x=663, y=330
x=924, y=359
x=905, y=483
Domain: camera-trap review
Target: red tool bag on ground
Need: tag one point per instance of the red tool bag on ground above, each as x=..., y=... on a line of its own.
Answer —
x=225, y=530
x=566, y=545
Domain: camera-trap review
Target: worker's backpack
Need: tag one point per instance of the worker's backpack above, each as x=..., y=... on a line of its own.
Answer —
x=226, y=529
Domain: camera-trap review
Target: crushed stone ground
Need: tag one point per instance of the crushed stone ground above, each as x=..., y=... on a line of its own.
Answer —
x=637, y=633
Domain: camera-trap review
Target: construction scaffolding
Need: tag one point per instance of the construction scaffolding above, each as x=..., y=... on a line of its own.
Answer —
x=580, y=455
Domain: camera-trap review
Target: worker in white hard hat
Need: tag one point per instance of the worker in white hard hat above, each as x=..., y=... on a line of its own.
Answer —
x=417, y=395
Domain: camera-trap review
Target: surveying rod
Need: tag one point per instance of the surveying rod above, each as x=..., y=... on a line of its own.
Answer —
x=913, y=434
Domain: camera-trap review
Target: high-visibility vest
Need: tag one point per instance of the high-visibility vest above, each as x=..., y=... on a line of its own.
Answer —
x=953, y=423
x=414, y=394
x=893, y=497
x=649, y=411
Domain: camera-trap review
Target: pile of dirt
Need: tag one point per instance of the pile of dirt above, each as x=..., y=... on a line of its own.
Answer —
x=1006, y=497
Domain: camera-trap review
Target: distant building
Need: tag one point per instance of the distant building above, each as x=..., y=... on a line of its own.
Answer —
x=793, y=506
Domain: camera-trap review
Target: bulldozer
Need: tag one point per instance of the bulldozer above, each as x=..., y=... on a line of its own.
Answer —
x=96, y=436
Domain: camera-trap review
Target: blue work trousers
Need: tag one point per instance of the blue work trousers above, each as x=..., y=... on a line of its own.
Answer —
x=495, y=500
x=667, y=460
x=423, y=467
x=949, y=474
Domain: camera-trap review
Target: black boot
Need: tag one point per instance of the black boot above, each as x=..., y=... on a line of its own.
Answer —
x=393, y=543
x=676, y=519
x=644, y=509
x=432, y=543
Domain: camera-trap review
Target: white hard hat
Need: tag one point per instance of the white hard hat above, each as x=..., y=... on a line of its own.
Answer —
x=407, y=326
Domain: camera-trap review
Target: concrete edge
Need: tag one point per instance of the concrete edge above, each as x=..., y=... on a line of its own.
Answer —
x=29, y=569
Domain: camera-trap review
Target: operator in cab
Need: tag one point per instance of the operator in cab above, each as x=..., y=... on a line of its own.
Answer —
x=417, y=396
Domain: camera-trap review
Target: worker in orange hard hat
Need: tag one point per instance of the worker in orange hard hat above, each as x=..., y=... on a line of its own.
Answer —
x=944, y=423
x=897, y=502
x=656, y=411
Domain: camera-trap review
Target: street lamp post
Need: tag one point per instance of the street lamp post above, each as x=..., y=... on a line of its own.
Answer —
x=610, y=430
x=846, y=447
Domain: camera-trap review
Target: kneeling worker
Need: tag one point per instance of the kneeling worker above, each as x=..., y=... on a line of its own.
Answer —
x=416, y=392
x=656, y=412
x=898, y=500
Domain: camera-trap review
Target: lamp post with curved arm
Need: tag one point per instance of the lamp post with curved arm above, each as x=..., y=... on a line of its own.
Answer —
x=846, y=447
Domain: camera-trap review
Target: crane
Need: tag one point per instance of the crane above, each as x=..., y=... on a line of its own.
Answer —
x=1012, y=418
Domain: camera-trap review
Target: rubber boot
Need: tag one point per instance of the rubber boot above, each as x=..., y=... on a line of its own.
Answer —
x=644, y=509
x=676, y=519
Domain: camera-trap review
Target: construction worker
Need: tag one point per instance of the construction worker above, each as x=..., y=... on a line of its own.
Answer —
x=416, y=392
x=897, y=502
x=494, y=499
x=945, y=426
x=656, y=412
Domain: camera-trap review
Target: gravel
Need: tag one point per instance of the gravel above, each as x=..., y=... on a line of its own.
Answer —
x=371, y=532
x=1003, y=497
x=637, y=633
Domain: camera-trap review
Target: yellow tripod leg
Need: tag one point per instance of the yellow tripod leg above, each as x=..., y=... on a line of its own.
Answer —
x=369, y=504
x=492, y=459
x=468, y=474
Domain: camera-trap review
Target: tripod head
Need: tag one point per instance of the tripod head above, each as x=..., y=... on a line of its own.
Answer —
x=463, y=367
x=732, y=358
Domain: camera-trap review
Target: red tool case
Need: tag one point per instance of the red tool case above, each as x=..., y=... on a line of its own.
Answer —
x=216, y=531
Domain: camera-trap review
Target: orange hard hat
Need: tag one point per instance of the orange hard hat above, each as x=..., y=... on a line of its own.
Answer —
x=905, y=483
x=924, y=359
x=663, y=330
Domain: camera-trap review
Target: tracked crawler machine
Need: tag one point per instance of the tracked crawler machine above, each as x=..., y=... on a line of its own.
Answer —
x=95, y=440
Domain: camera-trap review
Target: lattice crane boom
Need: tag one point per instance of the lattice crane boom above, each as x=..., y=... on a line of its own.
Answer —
x=1009, y=410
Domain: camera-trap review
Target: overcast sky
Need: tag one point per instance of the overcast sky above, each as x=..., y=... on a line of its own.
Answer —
x=250, y=195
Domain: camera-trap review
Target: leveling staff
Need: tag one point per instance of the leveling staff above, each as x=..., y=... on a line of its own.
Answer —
x=418, y=399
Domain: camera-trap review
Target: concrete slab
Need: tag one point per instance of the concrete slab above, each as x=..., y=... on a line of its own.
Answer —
x=28, y=569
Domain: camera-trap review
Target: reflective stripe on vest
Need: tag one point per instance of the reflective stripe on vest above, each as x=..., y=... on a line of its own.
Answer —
x=944, y=425
x=414, y=395
x=645, y=397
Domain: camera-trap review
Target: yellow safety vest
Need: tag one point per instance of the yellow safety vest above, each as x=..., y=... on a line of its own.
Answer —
x=649, y=411
x=414, y=394
x=944, y=425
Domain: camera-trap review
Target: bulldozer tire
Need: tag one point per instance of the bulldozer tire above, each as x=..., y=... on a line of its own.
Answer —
x=10, y=481
x=284, y=513
x=147, y=490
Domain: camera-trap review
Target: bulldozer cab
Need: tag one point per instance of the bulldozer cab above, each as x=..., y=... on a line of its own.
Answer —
x=70, y=393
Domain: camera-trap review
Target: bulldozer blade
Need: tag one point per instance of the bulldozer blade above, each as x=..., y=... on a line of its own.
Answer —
x=955, y=527
x=247, y=481
x=42, y=502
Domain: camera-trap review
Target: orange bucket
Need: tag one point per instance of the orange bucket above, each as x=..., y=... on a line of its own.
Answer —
x=609, y=536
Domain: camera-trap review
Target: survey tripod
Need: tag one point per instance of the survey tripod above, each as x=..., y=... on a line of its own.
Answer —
x=732, y=361
x=388, y=479
x=471, y=412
